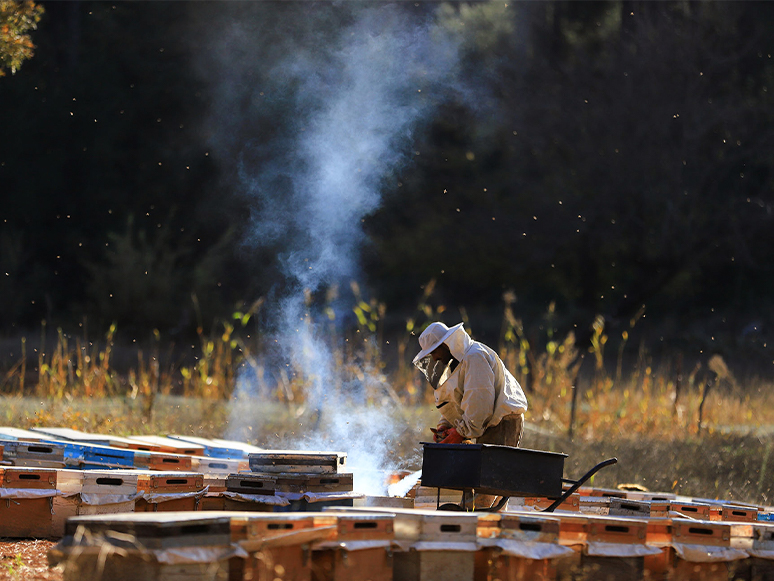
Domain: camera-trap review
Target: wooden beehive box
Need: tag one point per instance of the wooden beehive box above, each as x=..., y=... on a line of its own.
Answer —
x=360, y=550
x=84, y=437
x=650, y=496
x=24, y=477
x=542, y=528
x=278, y=544
x=69, y=484
x=494, y=560
x=26, y=502
x=168, y=491
x=33, y=454
x=614, y=506
x=207, y=465
x=666, y=533
x=180, y=546
x=162, y=461
x=108, y=492
x=251, y=483
x=220, y=448
x=287, y=461
x=168, y=445
x=314, y=482
x=674, y=508
x=431, y=544
x=238, y=492
x=625, y=562
x=733, y=513
x=570, y=504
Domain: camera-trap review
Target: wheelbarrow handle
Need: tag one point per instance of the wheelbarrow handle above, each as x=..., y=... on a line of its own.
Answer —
x=579, y=483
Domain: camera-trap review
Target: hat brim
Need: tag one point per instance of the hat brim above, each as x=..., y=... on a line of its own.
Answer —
x=425, y=352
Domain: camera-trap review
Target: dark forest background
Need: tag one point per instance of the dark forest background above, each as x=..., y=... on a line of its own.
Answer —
x=616, y=160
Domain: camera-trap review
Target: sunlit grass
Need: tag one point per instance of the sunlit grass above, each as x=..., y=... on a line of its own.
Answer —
x=693, y=433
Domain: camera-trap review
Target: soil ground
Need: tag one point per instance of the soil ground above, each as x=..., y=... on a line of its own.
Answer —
x=26, y=560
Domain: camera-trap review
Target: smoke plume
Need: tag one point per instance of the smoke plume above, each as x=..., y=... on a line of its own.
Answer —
x=347, y=115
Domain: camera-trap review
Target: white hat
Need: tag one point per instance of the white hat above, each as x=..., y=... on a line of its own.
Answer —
x=432, y=337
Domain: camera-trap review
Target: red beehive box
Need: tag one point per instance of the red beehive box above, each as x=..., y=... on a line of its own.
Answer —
x=360, y=550
x=26, y=502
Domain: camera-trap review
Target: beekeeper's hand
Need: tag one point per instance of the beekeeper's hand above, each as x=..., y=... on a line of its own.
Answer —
x=452, y=437
x=438, y=434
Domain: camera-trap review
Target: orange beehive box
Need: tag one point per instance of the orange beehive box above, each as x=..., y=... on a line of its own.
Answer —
x=495, y=561
x=686, y=545
x=169, y=491
x=570, y=504
x=26, y=502
x=615, y=548
x=427, y=542
x=695, y=510
x=360, y=550
x=162, y=461
x=733, y=513
x=22, y=477
x=278, y=545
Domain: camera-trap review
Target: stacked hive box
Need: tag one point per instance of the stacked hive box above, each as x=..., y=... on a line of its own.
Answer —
x=33, y=454
x=303, y=480
x=149, y=546
x=521, y=547
x=26, y=502
x=358, y=549
x=695, y=550
x=168, y=491
x=278, y=545
x=92, y=492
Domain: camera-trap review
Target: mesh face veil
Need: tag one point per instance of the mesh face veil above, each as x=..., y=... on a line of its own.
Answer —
x=436, y=372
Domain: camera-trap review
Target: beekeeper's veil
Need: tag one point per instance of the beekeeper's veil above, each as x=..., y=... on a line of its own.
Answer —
x=430, y=339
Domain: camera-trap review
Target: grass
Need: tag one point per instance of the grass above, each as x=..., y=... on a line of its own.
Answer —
x=701, y=433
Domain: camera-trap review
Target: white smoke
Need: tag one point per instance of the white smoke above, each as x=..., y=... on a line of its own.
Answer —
x=357, y=106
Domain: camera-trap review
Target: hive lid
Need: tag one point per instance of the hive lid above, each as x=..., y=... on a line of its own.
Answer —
x=156, y=530
x=297, y=461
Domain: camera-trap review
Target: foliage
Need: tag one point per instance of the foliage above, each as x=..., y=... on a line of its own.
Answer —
x=17, y=19
x=598, y=157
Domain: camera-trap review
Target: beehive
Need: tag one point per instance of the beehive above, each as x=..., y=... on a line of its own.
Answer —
x=359, y=551
x=523, y=547
x=169, y=491
x=184, y=546
x=692, y=550
x=287, y=461
x=278, y=545
x=33, y=454
x=26, y=502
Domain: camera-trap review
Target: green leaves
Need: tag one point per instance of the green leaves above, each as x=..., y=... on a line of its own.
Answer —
x=17, y=19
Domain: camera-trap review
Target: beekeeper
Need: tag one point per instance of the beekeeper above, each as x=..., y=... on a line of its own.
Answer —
x=478, y=398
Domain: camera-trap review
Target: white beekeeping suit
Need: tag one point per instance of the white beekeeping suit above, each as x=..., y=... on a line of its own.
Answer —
x=473, y=391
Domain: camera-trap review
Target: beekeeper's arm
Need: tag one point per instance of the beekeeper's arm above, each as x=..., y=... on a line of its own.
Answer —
x=478, y=396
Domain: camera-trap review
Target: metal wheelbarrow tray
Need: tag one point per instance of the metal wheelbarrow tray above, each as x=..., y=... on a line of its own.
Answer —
x=499, y=471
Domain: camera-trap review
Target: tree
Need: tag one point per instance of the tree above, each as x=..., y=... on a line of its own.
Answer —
x=17, y=19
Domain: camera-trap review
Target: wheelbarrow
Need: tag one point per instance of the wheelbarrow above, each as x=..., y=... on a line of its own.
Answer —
x=499, y=471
